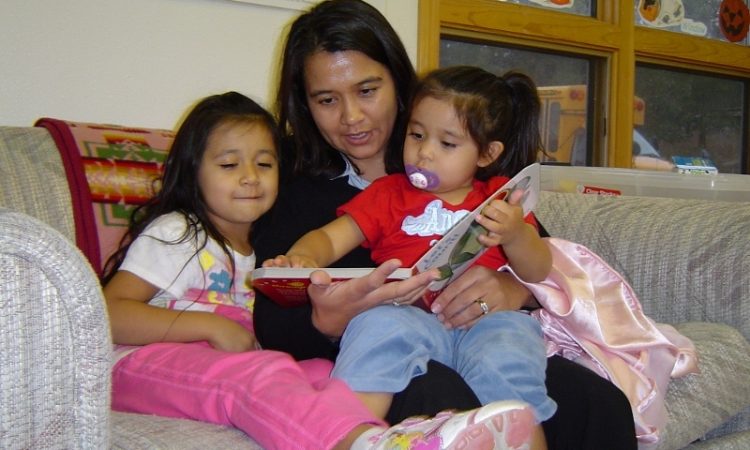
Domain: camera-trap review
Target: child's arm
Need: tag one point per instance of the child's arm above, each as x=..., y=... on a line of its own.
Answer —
x=321, y=247
x=135, y=322
x=527, y=253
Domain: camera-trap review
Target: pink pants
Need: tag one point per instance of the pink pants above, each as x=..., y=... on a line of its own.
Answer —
x=279, y=402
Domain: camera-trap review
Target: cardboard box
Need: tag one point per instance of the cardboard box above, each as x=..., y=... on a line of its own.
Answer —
x=645, y=183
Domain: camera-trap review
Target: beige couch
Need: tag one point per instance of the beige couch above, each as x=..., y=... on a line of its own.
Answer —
x=689, y=262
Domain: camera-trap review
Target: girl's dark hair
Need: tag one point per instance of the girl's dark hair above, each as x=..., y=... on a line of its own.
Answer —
x=335, y=26
x=501, y=108
x=179, y=190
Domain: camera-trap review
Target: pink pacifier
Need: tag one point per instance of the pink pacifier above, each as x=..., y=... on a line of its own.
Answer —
x=422, y=178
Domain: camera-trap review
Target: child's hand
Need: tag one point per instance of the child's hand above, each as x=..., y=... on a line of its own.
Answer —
x=232, y=337
x=503, y=221
x=279, y=261
x=290, y=261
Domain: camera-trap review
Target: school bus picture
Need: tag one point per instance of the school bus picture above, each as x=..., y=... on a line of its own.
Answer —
x=563, y=128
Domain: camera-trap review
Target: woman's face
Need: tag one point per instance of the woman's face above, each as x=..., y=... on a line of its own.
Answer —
x=352, y=99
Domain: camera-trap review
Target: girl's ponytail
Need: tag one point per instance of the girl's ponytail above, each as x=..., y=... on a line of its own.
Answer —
x=524, y=140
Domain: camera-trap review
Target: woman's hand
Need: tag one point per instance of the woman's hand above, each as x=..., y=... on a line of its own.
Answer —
x=460, y=304
x=335, y=304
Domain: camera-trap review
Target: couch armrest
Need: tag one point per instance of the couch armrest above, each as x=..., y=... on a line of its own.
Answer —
x=55, y=341
x=688, y=260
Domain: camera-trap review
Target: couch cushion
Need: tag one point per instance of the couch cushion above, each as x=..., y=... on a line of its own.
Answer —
x=687, y=260
x=697, y=403
x=736, y=441
x=144, y=432
x=110, y=169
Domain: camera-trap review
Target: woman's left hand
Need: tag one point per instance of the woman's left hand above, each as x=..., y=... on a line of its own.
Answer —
x=335, y=304
x=476, y=292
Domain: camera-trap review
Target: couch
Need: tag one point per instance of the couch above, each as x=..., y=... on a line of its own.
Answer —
x=688, y=261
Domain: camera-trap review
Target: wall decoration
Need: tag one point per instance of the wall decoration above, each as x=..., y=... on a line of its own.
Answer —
x=734, y=19
x=661, y=13
x=554, y=3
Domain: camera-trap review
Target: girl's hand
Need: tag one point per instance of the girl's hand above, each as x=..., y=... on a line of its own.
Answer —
x=290, y=261
x=458, y=305
x=229, y=336
x=335, y=304
x=503, y=221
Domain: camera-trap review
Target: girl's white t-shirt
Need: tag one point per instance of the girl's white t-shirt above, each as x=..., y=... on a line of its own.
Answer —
x=185, y=275
x=189, y=280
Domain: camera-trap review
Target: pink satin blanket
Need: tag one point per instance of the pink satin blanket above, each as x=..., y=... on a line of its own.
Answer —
x=591, y=315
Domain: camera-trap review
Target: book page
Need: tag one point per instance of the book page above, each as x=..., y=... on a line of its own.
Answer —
x=459, y=247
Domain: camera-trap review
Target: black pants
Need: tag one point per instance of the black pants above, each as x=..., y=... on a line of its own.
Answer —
x=592, y=413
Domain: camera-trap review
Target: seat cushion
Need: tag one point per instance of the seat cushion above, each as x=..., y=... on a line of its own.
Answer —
x=698, y=403
x=144, y=432
x=736, y=441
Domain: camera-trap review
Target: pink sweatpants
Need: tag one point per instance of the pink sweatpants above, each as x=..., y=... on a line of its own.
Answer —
x=279, y=402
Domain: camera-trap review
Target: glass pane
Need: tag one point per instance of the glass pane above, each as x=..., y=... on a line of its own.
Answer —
x=579, y=7
x=692, y=115
x=725, y=20
x=563, y=88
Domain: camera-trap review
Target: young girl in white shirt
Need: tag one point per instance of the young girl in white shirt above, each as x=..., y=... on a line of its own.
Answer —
x=181, y=308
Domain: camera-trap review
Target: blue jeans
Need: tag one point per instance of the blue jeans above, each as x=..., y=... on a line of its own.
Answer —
x=501, y=357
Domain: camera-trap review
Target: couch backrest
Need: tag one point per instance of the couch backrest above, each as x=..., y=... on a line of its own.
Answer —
x=110, y=170
x=32, y=178
x=688, y=260
x=83, y=179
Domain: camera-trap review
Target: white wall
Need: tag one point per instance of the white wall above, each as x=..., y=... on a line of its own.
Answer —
x=144, y=62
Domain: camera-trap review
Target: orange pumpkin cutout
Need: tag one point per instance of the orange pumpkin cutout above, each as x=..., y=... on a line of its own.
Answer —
x=734, y=19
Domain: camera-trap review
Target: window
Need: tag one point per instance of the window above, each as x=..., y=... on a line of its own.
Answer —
x=624, y=66
x=563, y=90
x=693, y=115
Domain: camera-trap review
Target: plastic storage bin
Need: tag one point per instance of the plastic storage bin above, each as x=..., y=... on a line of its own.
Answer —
x=645, y=183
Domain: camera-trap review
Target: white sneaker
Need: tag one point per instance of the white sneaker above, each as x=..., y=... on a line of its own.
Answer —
x=506, y=425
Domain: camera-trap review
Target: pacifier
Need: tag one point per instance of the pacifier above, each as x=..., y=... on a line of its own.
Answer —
x=422, y=178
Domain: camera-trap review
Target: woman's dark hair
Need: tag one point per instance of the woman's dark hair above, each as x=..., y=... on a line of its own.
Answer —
x=336, y=26
x=501, y=108
x=179, y=190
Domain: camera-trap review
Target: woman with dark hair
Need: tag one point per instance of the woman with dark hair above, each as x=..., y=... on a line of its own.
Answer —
x=181, y=316
x=346, y=81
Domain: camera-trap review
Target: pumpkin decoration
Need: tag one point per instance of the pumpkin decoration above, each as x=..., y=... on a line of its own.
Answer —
x=734, y=18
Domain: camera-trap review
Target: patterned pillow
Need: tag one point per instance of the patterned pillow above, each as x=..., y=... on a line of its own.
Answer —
x=110, y=169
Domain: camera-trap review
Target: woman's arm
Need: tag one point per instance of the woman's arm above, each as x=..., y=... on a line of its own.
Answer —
x=135, y=322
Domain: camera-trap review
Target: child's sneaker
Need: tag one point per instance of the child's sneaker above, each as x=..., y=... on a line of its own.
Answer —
x=498, y=425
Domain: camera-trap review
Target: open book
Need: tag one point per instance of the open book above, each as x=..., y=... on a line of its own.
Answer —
x=451, y=255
